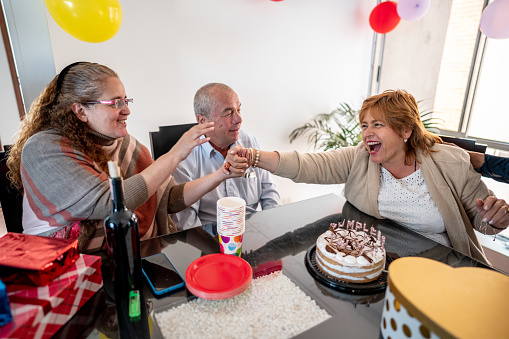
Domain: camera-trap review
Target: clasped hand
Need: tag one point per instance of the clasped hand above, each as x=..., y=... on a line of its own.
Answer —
x=238, y=159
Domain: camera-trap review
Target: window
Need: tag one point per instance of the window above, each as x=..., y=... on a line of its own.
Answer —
x=489, y=117
x=470, y=91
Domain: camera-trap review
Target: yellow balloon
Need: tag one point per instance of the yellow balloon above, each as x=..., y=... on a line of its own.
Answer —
x=87, y=20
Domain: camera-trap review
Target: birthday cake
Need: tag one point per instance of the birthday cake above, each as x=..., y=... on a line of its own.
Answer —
x=353, y=253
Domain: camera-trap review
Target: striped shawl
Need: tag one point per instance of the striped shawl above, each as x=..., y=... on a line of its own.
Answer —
x=63, y=186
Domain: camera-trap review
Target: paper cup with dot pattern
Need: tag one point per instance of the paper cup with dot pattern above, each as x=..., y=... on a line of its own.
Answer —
x=231, y=221
x=231, y=244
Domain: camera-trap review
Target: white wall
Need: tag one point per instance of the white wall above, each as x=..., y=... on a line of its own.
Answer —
x=286, y=60
x=413, y=54
x=9, y=114
x=30, y=44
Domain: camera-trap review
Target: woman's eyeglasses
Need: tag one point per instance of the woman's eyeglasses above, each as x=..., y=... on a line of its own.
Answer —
x=117, y=103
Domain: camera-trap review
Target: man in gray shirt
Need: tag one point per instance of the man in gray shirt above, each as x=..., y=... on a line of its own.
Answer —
x=219, y=103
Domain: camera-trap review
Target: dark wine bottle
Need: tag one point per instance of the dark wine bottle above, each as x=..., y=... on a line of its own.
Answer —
x=123, y=242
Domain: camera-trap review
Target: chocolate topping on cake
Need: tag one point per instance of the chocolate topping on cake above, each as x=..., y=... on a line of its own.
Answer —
x=330, y=249
x=351, y=242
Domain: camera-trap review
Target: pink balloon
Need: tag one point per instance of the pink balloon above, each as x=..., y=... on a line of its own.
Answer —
x=495, y=20
x=411, y=10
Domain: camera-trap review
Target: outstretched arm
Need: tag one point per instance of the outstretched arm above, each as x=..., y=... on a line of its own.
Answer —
x=490, y=166
x=194, y=190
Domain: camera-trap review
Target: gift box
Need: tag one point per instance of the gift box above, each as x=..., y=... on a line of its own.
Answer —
x=85, y=320
x=39, y=312
x=430, y=300
x=33, y=260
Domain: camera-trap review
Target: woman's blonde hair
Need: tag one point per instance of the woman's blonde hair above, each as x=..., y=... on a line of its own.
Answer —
x=77, y=83
x=399, y=110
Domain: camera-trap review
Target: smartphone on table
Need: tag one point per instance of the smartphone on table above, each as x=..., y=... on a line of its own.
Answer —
x=160, y=273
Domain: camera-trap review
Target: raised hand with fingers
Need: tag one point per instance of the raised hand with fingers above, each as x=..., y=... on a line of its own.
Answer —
x=190, y=140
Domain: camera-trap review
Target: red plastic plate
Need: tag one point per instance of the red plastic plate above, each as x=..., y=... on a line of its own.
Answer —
x=218, y=276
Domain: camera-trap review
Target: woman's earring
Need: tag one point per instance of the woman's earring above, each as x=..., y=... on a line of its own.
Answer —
x=405, y=140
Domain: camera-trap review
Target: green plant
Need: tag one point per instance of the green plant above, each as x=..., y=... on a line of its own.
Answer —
x=431, y=124
x=336, y=129
x=340, y=128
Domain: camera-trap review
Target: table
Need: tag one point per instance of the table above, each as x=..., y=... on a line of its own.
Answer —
x=281, y=236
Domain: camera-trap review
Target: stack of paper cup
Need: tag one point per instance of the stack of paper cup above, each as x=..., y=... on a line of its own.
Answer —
x=231, y=224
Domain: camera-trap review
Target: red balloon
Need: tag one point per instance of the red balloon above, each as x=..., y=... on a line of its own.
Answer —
x=384, y=17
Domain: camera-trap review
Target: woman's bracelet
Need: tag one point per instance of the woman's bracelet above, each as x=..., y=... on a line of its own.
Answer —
x=256, y=157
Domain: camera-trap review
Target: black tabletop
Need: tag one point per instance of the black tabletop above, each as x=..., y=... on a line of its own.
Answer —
x=275, y=239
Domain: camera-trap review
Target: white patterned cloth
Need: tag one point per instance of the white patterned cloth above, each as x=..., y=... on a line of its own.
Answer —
x=409, y=202
x=272, y=307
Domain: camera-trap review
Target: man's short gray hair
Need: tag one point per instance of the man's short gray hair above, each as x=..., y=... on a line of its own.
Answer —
x=204, y=97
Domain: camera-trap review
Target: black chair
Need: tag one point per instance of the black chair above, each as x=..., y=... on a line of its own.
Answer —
x=465, y=143
x=10, y=199
x=167, y=136
x=480, y=148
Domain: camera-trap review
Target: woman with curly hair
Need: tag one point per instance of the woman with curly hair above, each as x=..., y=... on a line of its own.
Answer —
x=399, y=171
x=59, y=160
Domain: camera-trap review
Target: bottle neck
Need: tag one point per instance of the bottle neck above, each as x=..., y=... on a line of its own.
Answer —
x=117, y=191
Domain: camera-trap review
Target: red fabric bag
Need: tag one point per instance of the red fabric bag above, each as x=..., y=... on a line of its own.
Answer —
x=33, y=260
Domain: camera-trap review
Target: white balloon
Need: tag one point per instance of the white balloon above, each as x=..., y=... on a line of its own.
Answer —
x=495, y=20
x=411, y=10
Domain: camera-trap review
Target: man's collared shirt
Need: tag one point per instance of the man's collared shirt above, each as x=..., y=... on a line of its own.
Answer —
x=258, y=189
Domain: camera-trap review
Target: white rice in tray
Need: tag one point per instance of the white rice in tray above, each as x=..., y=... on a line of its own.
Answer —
x=272, y=307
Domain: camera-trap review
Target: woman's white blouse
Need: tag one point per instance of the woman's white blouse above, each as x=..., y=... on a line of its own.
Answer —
x=409, y=202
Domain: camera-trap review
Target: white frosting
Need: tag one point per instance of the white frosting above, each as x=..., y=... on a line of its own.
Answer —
x=363, y=261
x=349, y=270
x=339, y=255
x=351, y=259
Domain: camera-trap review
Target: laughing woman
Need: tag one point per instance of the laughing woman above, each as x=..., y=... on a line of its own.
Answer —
x=399, y=171
x=78, y=124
